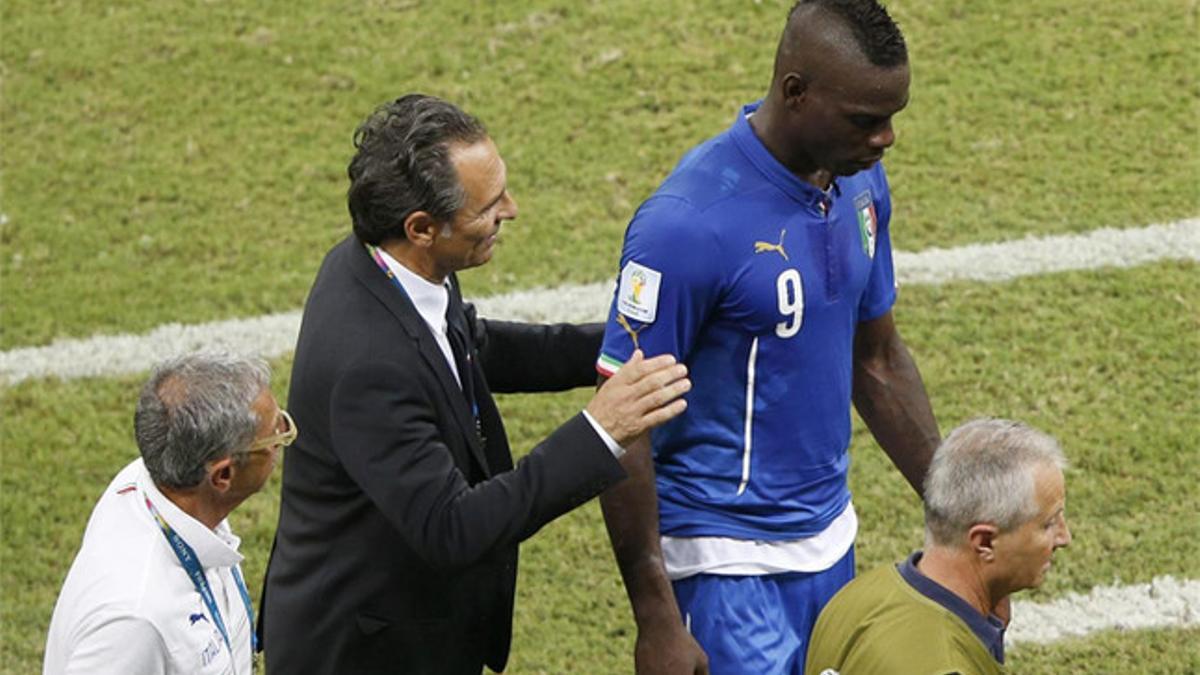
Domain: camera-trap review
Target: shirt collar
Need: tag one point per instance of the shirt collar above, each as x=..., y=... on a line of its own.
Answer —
x=777, y=174
x=214, y=548
x=430, y=299
x=989, y=629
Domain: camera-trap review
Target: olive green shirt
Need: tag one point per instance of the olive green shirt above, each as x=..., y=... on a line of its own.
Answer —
x=880, y=623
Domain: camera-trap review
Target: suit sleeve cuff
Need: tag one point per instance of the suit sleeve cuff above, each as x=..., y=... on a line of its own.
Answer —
x=615, y=449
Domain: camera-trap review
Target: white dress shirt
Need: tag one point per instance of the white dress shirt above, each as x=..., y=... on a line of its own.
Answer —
x=431, y=301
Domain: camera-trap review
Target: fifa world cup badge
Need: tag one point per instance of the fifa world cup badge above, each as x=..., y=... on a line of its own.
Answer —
x=637, y=295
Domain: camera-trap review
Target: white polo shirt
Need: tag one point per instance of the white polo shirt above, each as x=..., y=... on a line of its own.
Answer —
x=128, y=606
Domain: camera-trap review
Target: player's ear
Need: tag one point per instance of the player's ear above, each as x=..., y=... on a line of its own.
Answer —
x=794, y=89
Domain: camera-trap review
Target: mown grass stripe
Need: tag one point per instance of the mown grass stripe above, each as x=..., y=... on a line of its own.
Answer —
x=274, y=335
x=1165, y=602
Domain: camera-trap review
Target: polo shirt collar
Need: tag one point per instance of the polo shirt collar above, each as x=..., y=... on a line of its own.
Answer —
x=774, y=172
x=214, y=548
x=989, y=629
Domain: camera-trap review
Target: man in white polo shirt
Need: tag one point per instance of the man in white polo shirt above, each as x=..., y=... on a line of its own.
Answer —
x=156, y=587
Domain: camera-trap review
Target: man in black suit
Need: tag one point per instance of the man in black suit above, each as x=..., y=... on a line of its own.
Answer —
x=401, y=509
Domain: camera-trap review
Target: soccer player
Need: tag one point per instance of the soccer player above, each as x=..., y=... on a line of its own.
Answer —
x=994, y=516
x=764, y=262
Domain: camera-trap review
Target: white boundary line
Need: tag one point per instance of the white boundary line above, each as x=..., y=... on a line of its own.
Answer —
x=1163, y=603
x=275, y=335
x=1105, y=247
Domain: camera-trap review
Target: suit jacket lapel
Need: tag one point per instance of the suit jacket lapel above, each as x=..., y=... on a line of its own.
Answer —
x=398, y=303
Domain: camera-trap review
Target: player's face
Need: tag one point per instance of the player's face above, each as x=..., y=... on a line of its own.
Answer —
x=471, y=238
x=845, y=121
x=1025, y=553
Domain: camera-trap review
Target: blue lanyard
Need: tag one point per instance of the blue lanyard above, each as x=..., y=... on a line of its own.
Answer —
x=191, y=565
x=245, y=593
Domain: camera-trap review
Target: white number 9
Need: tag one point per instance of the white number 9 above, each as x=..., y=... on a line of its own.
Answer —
x=791, y=303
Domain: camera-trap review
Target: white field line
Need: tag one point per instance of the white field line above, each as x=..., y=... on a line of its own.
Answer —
x=1163, y=603
x=275, y=335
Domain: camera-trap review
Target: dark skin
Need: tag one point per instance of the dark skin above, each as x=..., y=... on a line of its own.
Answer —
x=631, y=516
x=828, y=113
x=890, y=398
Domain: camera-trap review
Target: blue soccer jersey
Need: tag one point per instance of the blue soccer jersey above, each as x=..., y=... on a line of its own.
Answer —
x=757, y=281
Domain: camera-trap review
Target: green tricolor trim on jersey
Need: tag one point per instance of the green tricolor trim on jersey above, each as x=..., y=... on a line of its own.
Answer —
x=607, y=365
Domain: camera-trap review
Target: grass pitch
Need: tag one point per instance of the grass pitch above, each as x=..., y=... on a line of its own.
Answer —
x=203, y=145
x=185, y=162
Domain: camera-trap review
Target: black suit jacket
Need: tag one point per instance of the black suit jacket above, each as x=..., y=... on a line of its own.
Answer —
x=396, y=550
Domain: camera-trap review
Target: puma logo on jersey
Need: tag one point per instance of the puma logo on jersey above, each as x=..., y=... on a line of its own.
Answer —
x=633, y=334
x=765, y=246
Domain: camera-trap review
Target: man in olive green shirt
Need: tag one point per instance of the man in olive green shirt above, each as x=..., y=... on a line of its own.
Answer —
x=994, y=515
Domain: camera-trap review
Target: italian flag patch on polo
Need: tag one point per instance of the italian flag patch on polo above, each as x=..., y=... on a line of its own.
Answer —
x=868, y=223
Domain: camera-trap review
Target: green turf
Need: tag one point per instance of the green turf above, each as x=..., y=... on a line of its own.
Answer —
x=1076, y=356
x=1171, y=652
x=203, y=145
x=176, y=161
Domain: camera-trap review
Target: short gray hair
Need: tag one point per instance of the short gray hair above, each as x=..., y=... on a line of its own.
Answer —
x=195, y=409
x=983, y=472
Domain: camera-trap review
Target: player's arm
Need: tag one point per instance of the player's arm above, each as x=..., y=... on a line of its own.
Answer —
x=891, y=399
x=631, y=516
x=659, y=306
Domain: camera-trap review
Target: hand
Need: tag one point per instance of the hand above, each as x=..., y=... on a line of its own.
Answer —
x=668, y=650
x=642, y=395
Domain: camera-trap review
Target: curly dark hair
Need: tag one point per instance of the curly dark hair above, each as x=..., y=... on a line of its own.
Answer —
x=402, y=165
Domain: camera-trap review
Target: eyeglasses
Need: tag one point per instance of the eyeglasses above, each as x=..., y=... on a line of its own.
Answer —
x=282, y=439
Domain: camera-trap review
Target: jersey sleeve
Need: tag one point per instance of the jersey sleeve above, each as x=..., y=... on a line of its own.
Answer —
x=880, y=293
x=670, y=278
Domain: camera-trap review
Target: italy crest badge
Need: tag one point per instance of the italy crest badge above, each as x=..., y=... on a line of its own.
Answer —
x=868, y=222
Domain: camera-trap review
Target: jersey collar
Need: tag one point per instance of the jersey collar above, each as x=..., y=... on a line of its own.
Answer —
x=774, y=172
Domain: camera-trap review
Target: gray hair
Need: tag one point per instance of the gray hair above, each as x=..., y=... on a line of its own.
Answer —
x=983, y=472
x=195, y=409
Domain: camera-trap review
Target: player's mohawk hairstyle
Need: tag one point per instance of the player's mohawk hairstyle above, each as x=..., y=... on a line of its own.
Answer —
x=876, y=34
